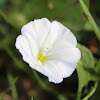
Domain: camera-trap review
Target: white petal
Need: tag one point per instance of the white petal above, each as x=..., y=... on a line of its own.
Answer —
x=36, y=31
x=65, y=68
x=53, y=73
x=42, y=27
x=70, y=38
x=50, y=70
x=59, y=33
x=28, y=31
x=56, y=70
x=71, y=55
x=23, y=45
x=56, y=31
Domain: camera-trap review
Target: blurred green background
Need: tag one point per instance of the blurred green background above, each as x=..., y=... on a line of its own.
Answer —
x=17, y=81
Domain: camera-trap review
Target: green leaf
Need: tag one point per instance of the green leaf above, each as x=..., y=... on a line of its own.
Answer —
x=87, y=58
x=85, y=68
x=86, y=62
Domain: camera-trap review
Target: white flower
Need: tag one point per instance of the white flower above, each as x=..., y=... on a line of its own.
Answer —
x=50, y=48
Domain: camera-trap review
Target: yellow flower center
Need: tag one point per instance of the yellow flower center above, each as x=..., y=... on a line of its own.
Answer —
x=42, y=58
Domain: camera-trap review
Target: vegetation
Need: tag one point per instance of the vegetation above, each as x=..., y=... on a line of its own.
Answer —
x=18, y=81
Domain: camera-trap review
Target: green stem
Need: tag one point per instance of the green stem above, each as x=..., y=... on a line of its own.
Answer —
x=6, y=92
x=13, y=88
x=91, y=93
x=91, y=20
x=79, y=93
x=39, y=80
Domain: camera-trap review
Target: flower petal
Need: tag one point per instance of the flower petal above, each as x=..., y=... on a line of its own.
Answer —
x=23, y=45
x=57, y=70
x=59, y=32
x=71, y=55
x=42, y=27
x=28, y=31
x=69, y=38
x=53, y=73
x=66, y=68
x=36, y=31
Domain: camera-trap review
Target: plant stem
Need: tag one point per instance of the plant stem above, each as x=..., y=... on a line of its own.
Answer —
x=79, y=93
x=13, y=88
x=39, y=80
x=92, y=92
x=8, y=89
x=91, y=20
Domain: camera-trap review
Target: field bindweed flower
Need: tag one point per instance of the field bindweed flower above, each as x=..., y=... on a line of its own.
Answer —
x=50, y=48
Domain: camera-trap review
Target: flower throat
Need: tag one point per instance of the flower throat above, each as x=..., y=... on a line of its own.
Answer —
x=42, y=58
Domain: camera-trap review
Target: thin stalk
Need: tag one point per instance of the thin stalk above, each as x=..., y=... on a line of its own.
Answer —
x=92, y=92
x=8, y=89
x=79, y=93
x=13, y=88
x=91, y=20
